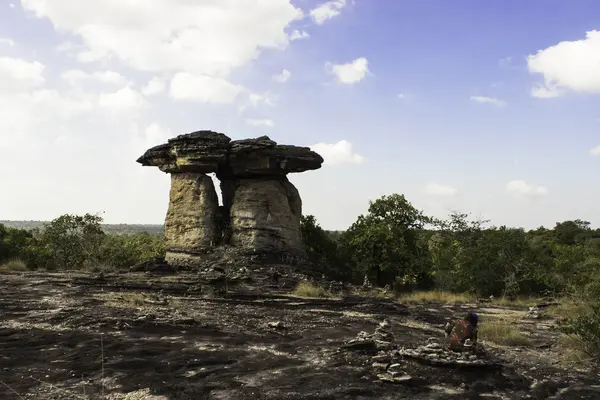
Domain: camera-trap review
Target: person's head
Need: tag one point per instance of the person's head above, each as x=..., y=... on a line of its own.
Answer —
x=472, y=318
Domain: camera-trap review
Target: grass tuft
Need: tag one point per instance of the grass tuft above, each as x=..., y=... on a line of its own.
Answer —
x=503, y=333
x=311, y=291
x=14, y=265
x=435, y=296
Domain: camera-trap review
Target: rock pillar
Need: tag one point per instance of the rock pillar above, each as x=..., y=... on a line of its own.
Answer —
x=191, y=225
x=261, y=209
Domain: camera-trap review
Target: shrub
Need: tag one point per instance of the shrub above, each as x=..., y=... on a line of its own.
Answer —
x=585, y=326
x=309, y=290
x=14, y=265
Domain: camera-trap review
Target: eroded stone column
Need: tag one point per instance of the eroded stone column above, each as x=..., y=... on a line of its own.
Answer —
x=265, y=216
x=191, y=225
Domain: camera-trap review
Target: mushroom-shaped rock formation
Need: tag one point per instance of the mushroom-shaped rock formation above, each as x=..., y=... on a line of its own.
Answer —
x=261, y=208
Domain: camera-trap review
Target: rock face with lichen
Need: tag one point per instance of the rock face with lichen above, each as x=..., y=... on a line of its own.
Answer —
x=261, y=208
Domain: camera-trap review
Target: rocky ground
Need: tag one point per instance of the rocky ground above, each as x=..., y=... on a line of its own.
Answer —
x=138, y=337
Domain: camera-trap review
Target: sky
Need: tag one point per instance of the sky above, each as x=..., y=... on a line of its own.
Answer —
x=489, y=108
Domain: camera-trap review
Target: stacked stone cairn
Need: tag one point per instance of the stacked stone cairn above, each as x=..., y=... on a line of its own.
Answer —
x=388, y=360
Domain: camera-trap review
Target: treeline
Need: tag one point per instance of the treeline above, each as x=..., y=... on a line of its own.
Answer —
x=124, y=229
x=393, y=244
x=398, y=245
x=72, y=242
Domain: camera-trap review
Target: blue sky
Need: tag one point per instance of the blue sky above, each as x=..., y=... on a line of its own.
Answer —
x=489, y=107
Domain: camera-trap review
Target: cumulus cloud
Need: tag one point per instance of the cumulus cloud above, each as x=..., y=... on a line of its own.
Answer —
x=521, y=188
x=76, y=76
x=327, y=11
x=568, y=65
x=153, y=87
x=260, y=122
x=339, y=153
x=204, y=37
x=435, y=189
x=203, y=88
x=283, y=76
x=489, y=100
x=595, y=151
x=125, y=99
x=7, y=42
x=17, y=74
x=349, y=73
x=299, y=35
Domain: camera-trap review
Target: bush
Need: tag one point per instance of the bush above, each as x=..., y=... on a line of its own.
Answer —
x=585, y=326
x=309, y=290
x=14, y=265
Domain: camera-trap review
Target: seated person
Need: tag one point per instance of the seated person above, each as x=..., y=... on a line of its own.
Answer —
x=457, y=333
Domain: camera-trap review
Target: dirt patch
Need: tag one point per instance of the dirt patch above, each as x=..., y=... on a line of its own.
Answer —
x=133, y=337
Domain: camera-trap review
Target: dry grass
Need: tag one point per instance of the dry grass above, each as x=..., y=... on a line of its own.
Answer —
x=568, y=308
x=503, y=332
x=311, y=291
x=435, y=296
x=123, y=299
x=572, y=352
x=15, y=265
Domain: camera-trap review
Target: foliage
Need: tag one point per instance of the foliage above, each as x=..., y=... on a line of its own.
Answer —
x=321, y=249
x=585, y=326
x=386, y=243
x=75, y=242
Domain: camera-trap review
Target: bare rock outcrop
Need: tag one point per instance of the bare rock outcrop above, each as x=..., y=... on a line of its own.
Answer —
x=261, y=208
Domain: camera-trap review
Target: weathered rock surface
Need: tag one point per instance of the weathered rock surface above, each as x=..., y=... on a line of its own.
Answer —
x=261, y=208
x=192, y=218
x=265, y=216
x=208, y=151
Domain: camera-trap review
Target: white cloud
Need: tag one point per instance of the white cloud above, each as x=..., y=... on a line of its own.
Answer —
x=349, y=73
x=17, y=74
x=488, y=100
x=299, y=35
x=8, y=42
x=572, y=65
x=283, y=76
x=326, y=11
x=545, y=92
x=151, y=136
x=76, y=76
x=521, y=188
x=595, y=151
x=401, y=95
x=203, y=88
x=260, y=122
x=11, y=5
x=339, y=153
x=123, y=99
x=436, y=189
x=154, y=87
x=204, y=37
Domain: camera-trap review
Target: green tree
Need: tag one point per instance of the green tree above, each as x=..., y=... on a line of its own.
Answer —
x=72, y=240
x=322, y=249
x=387, y=242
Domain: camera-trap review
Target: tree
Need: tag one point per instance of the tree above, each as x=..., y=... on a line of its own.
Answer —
x=73, y=240
x=322, y=250
x=387, y=241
